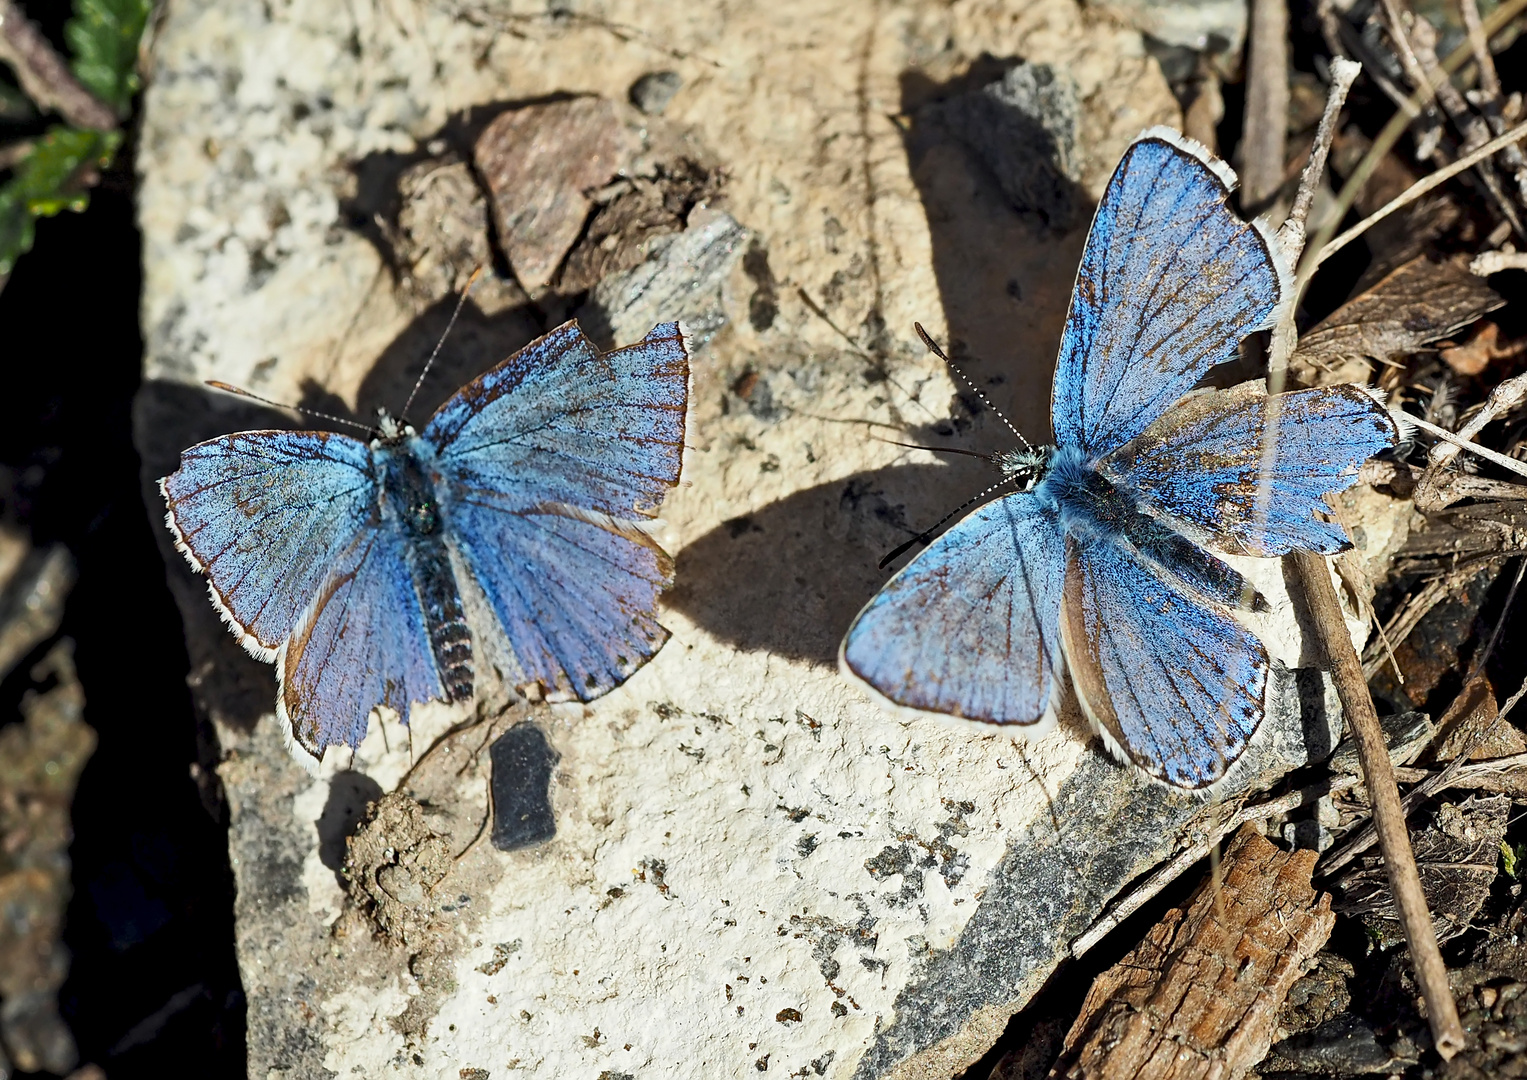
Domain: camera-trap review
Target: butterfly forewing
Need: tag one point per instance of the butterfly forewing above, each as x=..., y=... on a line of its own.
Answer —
x=265, y=515
x=1170, y=283
x=983, y=598
x=560, y=422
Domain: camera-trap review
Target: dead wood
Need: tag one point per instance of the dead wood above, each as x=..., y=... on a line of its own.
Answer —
x=1200, y=995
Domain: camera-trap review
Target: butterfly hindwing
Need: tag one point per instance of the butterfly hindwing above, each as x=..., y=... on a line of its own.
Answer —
x=265, y=514
x=983, y=599
x=1170, y=283
x=576, y=598
x=1171, y=681
x=361, y=643
x=1207, y=464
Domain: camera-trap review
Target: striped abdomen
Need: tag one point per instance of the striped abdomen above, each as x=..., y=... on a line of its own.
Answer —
x=412, y=497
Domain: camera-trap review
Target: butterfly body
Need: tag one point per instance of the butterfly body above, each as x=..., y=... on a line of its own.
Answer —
x=388, y=572
x=1105, y=563
x=410, y=487
x=1092, y=509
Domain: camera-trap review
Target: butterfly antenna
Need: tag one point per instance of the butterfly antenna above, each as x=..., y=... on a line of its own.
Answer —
x=932, y=347
x=940, y=450
x=461, y=302
x=240, y=392
x=927, y=534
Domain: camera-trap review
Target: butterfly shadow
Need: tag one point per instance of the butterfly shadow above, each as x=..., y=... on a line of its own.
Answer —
x=790, y=577
x=476, y=343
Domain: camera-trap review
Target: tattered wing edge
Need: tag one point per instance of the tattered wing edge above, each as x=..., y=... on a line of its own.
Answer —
x=1264, y=229
x=250, y=643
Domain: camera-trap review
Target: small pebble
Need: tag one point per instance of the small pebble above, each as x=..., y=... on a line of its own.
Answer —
x=1488, y=996
x=654, y=90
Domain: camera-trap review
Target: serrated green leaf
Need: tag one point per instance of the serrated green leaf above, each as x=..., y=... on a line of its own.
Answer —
x=48, y=179
x=16, y=231
x=103, y=36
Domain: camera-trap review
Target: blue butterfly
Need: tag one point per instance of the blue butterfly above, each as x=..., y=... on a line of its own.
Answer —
x=360, y=568
x=1097, y=564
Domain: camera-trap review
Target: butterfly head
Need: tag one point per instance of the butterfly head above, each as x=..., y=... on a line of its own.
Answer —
x=1025, y=466
x=392, y=429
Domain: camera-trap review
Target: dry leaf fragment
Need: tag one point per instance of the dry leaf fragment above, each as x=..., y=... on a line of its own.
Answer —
x=1420, y=302
x=1457, y=855
x=1482, y=349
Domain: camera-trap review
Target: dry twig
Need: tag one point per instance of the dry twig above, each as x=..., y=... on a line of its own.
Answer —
x=43, y=74
x=1404, y=199
x=1264, y=144
x=1391, y=133
x=1489, y=97
x=1378, y=771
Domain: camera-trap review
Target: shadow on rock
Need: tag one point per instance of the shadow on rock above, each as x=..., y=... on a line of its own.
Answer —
x=789, y=578
x=350, y=793
x=990, y=153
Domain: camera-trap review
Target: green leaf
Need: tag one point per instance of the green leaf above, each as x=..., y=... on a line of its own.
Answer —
x=1511, y=858
x=16, y=231
x=103, y=36
x=15, y=107
x=50, y=179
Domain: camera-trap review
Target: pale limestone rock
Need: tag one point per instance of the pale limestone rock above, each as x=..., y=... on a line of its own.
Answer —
x=754, y=867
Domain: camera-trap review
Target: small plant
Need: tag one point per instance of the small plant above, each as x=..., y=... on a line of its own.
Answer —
x=56, y=170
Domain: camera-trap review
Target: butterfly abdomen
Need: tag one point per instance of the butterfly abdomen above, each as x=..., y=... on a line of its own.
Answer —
x=411, y=501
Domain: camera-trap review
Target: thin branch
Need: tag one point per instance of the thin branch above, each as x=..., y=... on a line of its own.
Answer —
x=1471, y=126
x=45, y=77
x=1330, y=633
x=1343, y=74
x=1362, y=840
x=1264, y=145
x=1410, y=195
x=1391, y=133
x=1388, y=817
x=1507, y=396
x=1489, y=97
x=1508, y=463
